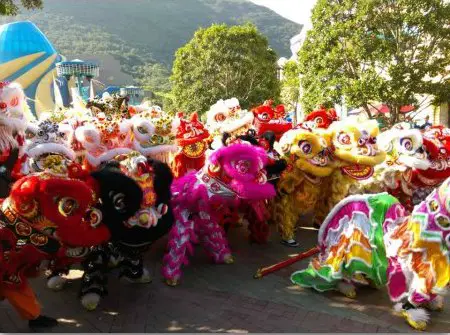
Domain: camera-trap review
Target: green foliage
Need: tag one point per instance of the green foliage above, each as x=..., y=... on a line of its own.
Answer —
x=224, y=62
x=12, y=7
x=154, y=77
x=144, y=35
x=376, y=51
x=90, y=39
x=165, y=25
x=290, y=85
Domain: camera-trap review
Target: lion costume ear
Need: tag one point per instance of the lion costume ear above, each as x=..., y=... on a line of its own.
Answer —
x=25, y=190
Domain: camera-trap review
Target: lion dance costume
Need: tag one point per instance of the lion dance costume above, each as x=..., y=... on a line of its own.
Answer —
x=368, y=239
x=46, y=218
x=191, y=138
x=299, y=187
x=269, y=118
x=203, y=200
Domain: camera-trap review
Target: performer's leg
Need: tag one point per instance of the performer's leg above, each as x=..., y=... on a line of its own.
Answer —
x=181, y=237
x=213, y=238
x=94, y=281
x=25, y=303
x=132, y=266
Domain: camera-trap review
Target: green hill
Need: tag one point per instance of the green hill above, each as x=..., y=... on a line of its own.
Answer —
x=143, y=35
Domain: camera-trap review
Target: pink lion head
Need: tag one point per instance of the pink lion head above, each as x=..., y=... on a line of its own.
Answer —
x=241, y=166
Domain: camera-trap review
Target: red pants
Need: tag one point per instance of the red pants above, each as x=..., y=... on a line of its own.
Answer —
x=23, y=300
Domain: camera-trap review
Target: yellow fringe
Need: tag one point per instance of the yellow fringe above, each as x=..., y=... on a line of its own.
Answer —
x=296, y=196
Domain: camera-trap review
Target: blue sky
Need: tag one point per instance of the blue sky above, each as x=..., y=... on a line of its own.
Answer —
x=295, y=10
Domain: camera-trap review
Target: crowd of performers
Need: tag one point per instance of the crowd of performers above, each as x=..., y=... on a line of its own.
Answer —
x=95, y=186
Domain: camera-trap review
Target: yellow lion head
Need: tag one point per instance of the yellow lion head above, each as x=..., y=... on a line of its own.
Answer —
x=308, y=150
x=355, y=148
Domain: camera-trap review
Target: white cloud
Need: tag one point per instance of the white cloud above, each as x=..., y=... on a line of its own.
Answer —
x=295, y=10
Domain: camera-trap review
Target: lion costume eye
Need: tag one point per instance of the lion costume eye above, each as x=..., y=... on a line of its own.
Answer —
x=67, y=206
x=220, y=117
x=142, y=130
x=264, y=116
x=344, y=138
x=433, y=206
x=305, y=147
x=94, y=217
x=406, y=143
x=118, y=201
x=242, y=166
x=443, y=221
x=318, y=120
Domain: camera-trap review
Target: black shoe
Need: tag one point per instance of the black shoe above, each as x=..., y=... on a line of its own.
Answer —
x=42, y=321
x=291, y=243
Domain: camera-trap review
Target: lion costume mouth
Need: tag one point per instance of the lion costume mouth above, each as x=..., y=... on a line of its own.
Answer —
x=358, y=172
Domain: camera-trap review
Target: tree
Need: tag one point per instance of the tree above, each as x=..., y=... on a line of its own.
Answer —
x=223, y=62
x=290, y=85
x=154, y=77
x=369, y=51
x=11, y=7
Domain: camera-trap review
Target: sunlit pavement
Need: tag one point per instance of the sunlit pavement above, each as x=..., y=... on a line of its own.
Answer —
x=222, y=298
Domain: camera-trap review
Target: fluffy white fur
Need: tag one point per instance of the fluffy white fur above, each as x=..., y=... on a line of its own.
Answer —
x=7, y=141
x=56, y=283
x=90, y=301
x=230, y=127
x=437, y=304
x=43, y=148
x=106, y=156
x=347, y=289
x=154, y=150
x=139, y=122
x=414, y=162
x=89, y=136
x=125, y=126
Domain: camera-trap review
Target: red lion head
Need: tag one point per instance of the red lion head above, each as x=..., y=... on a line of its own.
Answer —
x=322, y=118
x=436, y=143
x=269, y=118
x=61, y=208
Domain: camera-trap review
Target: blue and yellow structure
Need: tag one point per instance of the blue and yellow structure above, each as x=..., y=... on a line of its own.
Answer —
x=28, y=57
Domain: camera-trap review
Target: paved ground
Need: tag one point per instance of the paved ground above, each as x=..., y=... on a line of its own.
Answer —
x=222, y=298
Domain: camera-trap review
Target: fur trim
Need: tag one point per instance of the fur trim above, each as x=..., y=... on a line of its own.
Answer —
x=7, y=140
x=66, y=129
x=398, y=307
x=44, y=148
x=125, y=126
x=56, y=283
x=235, y=125
x=415, y=163
x=106, y=156
x=154, y=150
x=418, y=315
x=142, y=123
x=89, y=131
